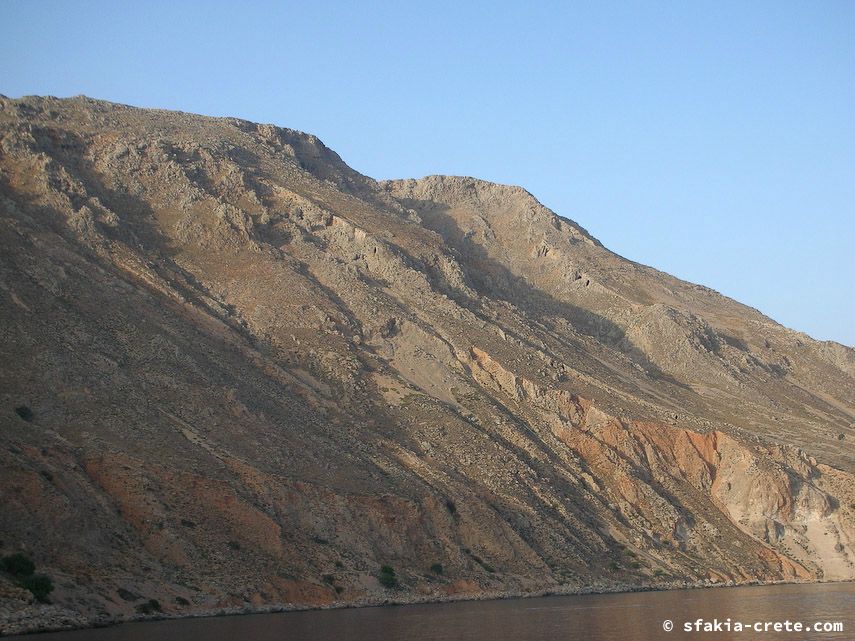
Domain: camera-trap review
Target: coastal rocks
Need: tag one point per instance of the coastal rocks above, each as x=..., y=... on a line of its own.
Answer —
x=21, y=619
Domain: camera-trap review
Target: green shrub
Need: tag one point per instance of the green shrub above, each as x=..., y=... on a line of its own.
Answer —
x=329, y=579
x=436, y=568
x=127, y=595
x=149, y=607
x=24, y=412
x=17, y=565
x=614, y=565
x=180, y=600
x=388, y=581
x=387, y=576
x=39, y=585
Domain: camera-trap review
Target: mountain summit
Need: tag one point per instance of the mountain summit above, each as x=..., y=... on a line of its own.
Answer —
x=239, y=374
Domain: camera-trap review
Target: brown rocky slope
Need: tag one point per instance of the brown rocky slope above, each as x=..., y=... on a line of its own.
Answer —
x=252, y=376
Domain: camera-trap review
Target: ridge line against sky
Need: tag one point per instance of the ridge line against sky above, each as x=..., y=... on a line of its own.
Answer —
x=715, y=141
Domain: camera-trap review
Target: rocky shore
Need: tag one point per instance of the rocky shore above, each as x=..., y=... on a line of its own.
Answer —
x=20, y=615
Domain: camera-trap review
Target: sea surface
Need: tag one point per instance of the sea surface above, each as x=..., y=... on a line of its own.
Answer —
x=638, y=616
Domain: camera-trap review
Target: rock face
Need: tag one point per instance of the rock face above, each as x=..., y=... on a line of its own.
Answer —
x=238, y=374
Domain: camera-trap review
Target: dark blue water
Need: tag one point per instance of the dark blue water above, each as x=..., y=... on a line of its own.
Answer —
x=613, y=617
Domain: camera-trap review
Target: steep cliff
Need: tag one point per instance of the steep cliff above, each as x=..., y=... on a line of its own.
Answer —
x=237, y=373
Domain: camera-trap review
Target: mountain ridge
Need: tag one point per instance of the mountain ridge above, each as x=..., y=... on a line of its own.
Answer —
x=381, y=182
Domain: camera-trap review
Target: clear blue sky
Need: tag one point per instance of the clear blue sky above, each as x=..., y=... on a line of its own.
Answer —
x=714, y=140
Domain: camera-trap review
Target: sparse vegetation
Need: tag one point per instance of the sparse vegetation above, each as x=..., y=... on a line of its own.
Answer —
x=18, y=565
x=149, y=607
x=24, y=412
x=234, y=545
x=387, y=577
x=188, y=523
x=22, y=569
x=127, y=595
x=329, y=579
x=39, y=585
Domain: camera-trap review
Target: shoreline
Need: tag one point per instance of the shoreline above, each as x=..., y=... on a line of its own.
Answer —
x=82, y=623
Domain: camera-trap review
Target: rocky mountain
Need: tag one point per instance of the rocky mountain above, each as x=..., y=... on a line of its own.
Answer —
x=237, y=374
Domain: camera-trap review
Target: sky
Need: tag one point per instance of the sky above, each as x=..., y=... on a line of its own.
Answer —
x=712, y=140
